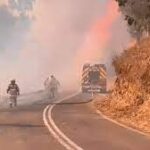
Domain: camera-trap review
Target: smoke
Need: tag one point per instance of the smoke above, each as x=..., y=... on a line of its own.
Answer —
x=97, y=39
x=58, y=31
x=105, y=39
x=14, y=28
x=55, y=37
x=3, y=2
x=98, y=36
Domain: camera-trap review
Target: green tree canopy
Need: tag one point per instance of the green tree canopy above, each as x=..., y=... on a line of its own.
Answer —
x=137, y=15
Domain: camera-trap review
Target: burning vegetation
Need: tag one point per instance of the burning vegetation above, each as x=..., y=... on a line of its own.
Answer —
x=129, y=101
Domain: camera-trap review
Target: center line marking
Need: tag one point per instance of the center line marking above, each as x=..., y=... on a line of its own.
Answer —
x=55, y=131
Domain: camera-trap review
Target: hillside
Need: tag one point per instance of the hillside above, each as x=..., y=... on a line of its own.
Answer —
x=130, y=98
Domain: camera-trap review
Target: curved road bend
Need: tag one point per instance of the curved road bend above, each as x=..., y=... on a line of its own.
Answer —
x=23, y=128
x=90, y=131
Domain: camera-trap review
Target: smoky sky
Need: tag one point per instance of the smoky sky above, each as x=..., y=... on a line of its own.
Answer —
x=22, y=6
x=43, y=37
x=13, y=28
x=64, y=29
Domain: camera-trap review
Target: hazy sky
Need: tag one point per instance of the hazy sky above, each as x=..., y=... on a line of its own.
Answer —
x=43, y=37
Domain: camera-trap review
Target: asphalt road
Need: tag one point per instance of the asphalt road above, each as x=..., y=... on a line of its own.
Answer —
x=86, y=128
x=23, y=128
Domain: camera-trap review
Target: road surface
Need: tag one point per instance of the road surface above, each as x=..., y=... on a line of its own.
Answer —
x=23, y=128
x=90, y=131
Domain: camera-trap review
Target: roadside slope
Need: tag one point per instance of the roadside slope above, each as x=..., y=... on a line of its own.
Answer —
x=129, y=101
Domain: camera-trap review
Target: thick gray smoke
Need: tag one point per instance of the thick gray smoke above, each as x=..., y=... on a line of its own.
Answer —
x=43, y=37
x=15, y=23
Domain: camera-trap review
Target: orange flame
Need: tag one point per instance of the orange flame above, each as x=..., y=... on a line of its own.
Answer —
x=98, y=36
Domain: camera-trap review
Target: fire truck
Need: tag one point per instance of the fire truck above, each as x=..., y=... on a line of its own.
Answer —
x=94, y=78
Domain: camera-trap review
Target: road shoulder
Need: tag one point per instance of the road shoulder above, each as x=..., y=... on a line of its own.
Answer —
x=116, y=120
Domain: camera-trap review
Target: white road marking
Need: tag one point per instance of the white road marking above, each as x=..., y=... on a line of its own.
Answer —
x=55, y=131
x=122, y=125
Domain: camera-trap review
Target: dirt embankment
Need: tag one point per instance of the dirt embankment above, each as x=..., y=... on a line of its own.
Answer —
x=130, y=98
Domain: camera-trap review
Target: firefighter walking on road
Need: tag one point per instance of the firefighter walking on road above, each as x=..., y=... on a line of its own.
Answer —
x=51, y=86
x=13, y=91
x=54, y=84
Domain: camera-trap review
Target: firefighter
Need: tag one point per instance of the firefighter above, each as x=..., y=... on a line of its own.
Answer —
x=47, y=87
x=13, y=91
x=54, y=84
x=46, y=83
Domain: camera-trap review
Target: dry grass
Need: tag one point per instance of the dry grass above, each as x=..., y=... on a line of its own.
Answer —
x=130, y=98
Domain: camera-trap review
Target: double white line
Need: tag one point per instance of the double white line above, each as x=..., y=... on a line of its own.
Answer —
x=55, y=131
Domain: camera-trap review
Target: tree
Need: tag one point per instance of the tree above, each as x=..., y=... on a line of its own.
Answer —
x=137, y=15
